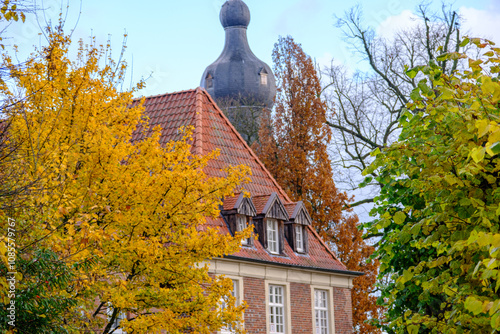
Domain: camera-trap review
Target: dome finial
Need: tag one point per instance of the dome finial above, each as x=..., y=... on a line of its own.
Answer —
x=234, y=13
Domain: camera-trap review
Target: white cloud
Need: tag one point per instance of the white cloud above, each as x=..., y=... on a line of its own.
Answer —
x=326, y=60
x=404, y=20
x=481, y=23
x=475, y=22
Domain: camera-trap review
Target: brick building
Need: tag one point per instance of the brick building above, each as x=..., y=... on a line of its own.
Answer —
x=290, y=279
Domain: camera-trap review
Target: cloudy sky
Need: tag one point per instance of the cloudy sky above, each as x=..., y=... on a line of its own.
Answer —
x=171, y=42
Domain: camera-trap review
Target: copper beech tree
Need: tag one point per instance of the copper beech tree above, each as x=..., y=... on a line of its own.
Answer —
x=123, y=218
x=293, y=146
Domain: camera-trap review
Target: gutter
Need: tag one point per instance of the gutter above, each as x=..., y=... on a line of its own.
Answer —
x=334, y=271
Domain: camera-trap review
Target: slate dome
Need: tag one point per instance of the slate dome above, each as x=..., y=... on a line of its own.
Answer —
x=234, y=13
x=238, y=74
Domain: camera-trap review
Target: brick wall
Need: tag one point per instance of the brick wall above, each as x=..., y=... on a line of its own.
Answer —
x=255, y=313
x=301, y=308
x=300, y=300
x=343, y=310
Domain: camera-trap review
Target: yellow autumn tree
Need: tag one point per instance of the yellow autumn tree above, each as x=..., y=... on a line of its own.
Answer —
x=127, y=220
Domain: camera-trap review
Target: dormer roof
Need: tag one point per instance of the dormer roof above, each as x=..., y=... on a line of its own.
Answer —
x=298, y=213
x=239, y=204
x=270, y=206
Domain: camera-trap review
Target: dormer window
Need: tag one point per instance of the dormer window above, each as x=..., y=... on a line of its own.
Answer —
x=297, y=226
x=209, y=81
x=238, y=212
x=263, y=77
x=273, y=241
x=299, y=238
x=241, y=224
x=269, y=222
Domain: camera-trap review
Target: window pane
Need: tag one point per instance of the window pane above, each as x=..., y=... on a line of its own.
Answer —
x=321, y=311
x=299, y=238
x=241, y=224
x=276, y=309
x=263, y=79
x=272, y=235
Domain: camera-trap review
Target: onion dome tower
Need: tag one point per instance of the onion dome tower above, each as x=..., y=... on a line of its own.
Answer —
x=241, y=83
x=238, y=73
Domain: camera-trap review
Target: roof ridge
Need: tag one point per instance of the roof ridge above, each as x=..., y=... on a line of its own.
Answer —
x=159, y=95
x=252, y=153
x=198, y=121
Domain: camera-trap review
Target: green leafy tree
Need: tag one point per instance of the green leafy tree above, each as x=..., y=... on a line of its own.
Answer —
x=439, y=206
x=43, y=305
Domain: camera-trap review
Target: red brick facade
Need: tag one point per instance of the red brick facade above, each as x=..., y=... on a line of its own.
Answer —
x=343, y=310
x=255, y=296
x=301, y=305
x=300, y=299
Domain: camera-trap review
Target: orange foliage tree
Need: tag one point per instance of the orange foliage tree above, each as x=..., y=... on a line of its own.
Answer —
x=293, y=146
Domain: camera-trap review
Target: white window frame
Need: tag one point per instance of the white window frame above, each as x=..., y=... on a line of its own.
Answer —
x=299, y=238
x=119, y=317
x=321, y=318
x=241, y=224
x=238, y=294
x=263, y=78
x=272, y=229
x=277, y=307
x=330, y=315
x=286, y=306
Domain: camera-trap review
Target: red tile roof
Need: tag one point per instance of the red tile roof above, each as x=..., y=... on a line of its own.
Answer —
x=260, y=202
x=213, y=130
x=230, y=202
x=290, y=208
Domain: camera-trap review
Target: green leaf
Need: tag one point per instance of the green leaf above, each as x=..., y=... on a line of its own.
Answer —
x=477, y=154
x=415, y=95
x=491, y=87
x=404, y=237
x=495, y=321
x=473, y=305
x=407, y=275
x=423, y=87
x=446, y=93
x=412, y=73
x=375, y=152
x=493, y=149
x=399, y=217
x=413, y=329
x=451, y=179
x=482, y=126
x=443, y=56
x=464, y=42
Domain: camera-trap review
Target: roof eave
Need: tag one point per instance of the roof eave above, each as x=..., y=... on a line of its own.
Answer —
x=348, y=273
